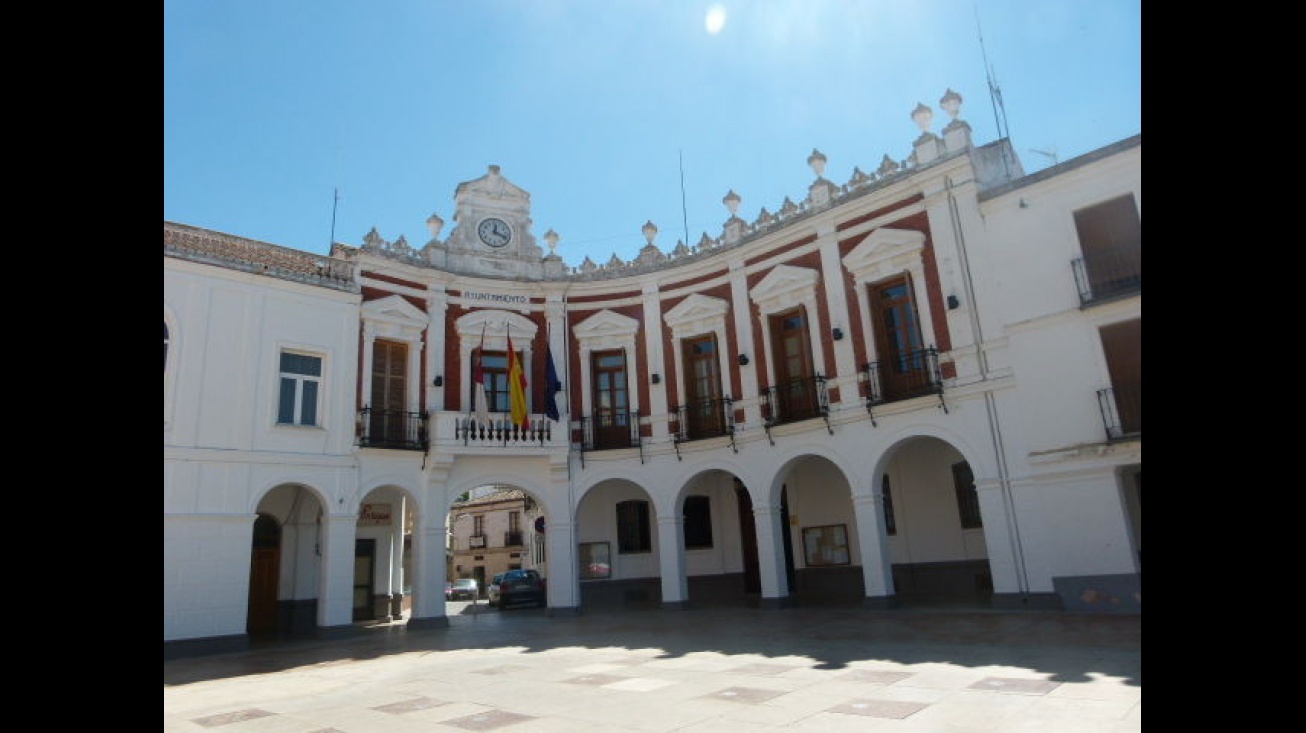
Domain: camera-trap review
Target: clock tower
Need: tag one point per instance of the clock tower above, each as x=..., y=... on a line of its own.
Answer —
x=492, y=233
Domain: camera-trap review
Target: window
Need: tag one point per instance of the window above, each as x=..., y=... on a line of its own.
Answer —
x=632, y=527
x=967, y=500
x=890, y=522
x=478, y=525
x=514, y=521
x=301, y=377
x=698, y=522
x=494, y=367
x=1111, y=238
x=612, y=427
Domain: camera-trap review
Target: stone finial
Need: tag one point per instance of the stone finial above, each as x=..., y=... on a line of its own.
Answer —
x=551, y=238
x=494, y=170
x=922, y=116
x=373, y=239
x=859, y=178
x=650, y=231
x=788, y=208
x=817, y=161
x=731, y=200
x=434, y=223
x=951, y=103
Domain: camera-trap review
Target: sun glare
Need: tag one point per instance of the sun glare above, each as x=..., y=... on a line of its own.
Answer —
x=716, y=19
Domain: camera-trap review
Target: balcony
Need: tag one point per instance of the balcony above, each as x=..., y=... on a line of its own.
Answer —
x=795, y=400
x=609, y=430
x=512, y=538
x=393, y=429
x=1122, y=412
x=502, y=432
x=700, y=420
x=911, y=375
x=1108, y=275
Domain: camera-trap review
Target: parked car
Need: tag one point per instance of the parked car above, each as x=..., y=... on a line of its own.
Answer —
x=464, y=589
x=521, y=587
x=448, y=590
x=492, y=590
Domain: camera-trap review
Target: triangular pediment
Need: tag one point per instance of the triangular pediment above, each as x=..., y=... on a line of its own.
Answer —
x=694, y=308
x=783, y=280
x=606, y=323
x=883, y=245
x=394, y=309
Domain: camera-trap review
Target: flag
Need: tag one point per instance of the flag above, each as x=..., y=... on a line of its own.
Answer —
x=552, y=385
x=480, y=404
x=516, y=388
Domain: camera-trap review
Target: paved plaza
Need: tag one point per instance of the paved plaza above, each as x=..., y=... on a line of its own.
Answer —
x=823, y=670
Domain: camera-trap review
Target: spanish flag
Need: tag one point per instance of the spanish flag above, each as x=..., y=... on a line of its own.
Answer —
x=516, y=388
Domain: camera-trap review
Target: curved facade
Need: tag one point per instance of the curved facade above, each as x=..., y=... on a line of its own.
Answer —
x=921, y=385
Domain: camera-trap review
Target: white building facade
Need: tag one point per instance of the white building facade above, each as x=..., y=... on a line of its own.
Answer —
x=922, y=385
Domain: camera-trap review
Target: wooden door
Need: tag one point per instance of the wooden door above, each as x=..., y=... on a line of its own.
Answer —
x=364, y=573
x=612, y=427
x=898, y=343
x=795, y=388
x=703, y=409
x=389, y=401
x=264, y=574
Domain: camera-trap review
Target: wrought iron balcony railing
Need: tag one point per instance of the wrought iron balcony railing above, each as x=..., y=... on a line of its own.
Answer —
x=395, y=429
x=914, y=374
x=794, y=400
x=1109, y=274
x=607, y=430
x=1122, y=411
x=703, y=419
x=512, y=538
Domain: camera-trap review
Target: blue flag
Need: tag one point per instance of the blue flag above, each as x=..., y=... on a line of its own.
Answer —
x=551, y=387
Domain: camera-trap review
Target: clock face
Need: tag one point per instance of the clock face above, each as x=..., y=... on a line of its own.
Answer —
x=494, y=232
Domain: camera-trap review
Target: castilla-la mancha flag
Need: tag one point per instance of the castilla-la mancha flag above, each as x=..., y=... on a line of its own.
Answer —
x=479, y=402
x=516, y=389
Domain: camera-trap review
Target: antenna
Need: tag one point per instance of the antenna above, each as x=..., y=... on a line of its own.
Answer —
x=995, y=93
x=684, y=214
x=334, y=204
x=1050, y=153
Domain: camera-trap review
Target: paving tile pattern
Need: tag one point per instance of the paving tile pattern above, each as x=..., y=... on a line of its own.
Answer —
x=823, y=670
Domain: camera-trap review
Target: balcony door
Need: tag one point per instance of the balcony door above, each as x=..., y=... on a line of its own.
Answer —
x=795, y=388
x=1111, y=238
x=898, y=344
x=702, y=387
x=389, y=419
x=611, y=399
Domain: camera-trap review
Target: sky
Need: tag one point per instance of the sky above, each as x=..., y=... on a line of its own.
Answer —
x=300, y=122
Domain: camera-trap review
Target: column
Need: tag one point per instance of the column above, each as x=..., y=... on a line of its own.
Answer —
x=429, y=571
x=564, y=580
x=657, y=393
x=397, y=560
x=671, y=560
x=877, y=566
x=836, y=303
x=741, y=309
x=771, y=556
x=437, y=304
x=335, y=598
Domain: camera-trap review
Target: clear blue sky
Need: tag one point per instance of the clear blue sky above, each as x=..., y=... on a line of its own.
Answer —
x=270, y=106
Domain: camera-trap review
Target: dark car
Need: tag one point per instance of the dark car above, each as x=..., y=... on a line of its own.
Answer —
x=521, y=588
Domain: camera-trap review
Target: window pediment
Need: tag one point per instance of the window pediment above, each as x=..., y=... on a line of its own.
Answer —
x=884, y=251
x=495, y=324
x=696, y=314
x=784, y=287
x=394, y=317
